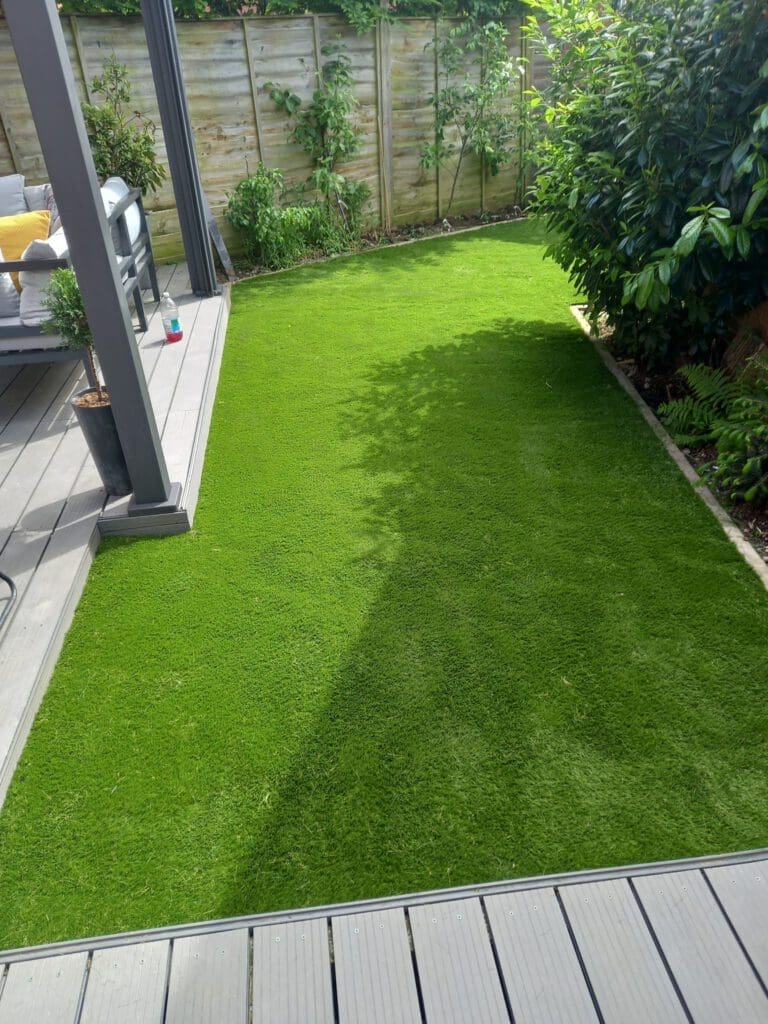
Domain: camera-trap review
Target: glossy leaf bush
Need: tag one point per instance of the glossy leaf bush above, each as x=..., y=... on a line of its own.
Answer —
x=653, y=164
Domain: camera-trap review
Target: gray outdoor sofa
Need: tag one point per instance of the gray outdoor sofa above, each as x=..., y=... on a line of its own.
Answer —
x=22, y=338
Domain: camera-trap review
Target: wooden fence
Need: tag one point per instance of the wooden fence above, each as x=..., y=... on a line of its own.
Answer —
x=226, y=64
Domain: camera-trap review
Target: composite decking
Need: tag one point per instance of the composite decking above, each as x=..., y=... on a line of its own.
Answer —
x=684, y=941
x=53, y=510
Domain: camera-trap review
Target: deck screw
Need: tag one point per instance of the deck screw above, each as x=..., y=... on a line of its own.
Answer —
x=357, y=931
x=458, y=917
x=303, y=937
x=757, y=878
x=382, y=927
x=434, y=920
x=277, y=939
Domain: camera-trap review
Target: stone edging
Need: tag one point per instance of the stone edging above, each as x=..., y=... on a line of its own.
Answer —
x=731, y=530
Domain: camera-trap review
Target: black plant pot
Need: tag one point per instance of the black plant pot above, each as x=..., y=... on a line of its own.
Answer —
x=98, y=425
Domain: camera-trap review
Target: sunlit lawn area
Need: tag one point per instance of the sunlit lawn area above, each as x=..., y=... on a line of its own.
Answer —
x=448, y=614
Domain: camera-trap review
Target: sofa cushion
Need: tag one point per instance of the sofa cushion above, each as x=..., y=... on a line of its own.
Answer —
x=12, y=195
x=34, y=283
x=9, y=297
x=40, y=197
x=18, y=231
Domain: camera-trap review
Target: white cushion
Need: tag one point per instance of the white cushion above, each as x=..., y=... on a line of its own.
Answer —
x=34, y=283
x=112, y=191
x=12, y=195
x=9, y=297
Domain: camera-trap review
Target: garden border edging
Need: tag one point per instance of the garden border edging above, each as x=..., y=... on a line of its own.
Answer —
x=730, y=529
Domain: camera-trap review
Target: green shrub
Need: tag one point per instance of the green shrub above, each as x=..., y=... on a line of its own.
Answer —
x=276, y=237
x=273, y=238
x=653, y=164
x=122, y=143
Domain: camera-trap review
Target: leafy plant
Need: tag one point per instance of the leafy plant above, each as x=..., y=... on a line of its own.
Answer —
x=653, y=164
x=732, y=414
x=326, y=132
x=66, y=318
x=712, y=393
x=278, y=236
x=473, y=109
x=122, y=142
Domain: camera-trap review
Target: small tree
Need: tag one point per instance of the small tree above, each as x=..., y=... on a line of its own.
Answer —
x=473, y=110
x=66, y=317
x=122, y=142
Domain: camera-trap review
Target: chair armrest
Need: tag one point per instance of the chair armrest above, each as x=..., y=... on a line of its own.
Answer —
x=14, y=266
x=131, y=197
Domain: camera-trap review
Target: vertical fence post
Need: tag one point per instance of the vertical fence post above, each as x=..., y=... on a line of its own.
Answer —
x=384, y=121
x=12, y=147
x=254, y=91
x=436, y=39
x=75, y=29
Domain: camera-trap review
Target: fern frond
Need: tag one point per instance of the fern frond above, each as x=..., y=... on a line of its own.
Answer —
x=688, y=419
x=711, y=386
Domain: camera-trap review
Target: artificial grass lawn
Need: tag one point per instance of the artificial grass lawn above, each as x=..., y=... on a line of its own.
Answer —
x=448, y=614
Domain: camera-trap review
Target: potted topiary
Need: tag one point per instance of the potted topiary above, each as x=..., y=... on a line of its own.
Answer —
x=66, y=318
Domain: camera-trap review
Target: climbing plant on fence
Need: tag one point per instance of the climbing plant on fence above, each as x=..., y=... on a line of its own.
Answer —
x=653, y=164
x=474, y=106
x=325, y=130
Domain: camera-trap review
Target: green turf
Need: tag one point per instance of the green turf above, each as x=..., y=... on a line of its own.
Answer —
x=448, y=614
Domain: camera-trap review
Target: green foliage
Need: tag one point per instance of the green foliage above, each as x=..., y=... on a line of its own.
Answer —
x=66, y=315
x=326, y=132
x=653, y=164
x=276, y=236
x=122, y=142
x=188, y=9
x=733, y=414
x=712, y=392
x=742, y=446
x=473, y=110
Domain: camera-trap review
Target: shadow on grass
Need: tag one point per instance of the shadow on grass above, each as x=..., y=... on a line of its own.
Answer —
x=502, y=710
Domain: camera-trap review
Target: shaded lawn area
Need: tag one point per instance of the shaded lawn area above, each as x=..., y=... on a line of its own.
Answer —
x=448, y=614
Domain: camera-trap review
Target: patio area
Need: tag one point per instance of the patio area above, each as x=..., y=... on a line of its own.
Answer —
x=53, y=510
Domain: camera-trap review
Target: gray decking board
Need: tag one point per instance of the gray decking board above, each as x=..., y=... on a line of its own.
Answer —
x=44, y=991
x=709, y=966
x=374, y=971
x=544, y=979
x=208, y=982
x=457, y=969
x=127, y=985
x=292, y=974
x=743, y=893
x=627, y=973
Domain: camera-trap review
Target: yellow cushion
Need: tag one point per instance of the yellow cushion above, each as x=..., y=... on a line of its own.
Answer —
x=18, y=231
